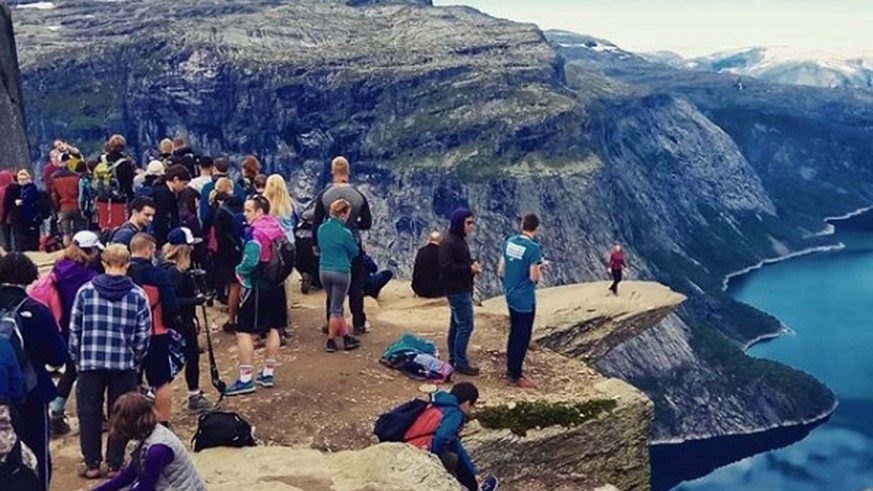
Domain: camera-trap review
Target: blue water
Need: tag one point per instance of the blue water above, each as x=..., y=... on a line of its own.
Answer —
x=827, y=300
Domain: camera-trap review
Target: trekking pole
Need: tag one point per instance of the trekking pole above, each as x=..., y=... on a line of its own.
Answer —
x=219, y=384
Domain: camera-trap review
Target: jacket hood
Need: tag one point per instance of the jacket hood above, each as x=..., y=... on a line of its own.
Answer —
x=457, y=223
x=111, y=287
x=72, y=272
x=5, y=178
x=445, y=400
x=265, y=230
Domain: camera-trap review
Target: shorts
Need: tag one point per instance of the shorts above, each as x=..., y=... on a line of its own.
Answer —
x=156, y=363
x=262, y=310
x=336, y=285
x=225, y=272
x=70, y=222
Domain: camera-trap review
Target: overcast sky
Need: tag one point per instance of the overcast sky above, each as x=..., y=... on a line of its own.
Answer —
x=694, y=27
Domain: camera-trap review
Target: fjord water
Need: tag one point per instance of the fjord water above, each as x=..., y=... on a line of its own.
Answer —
x=827, y=300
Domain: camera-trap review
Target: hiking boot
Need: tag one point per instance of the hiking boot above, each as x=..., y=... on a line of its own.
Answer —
x=350, y=343
x=468, y=370
x=229, y=327
x=239, y=388
x=59, y=425
x=305, y=283
x=523, y=382
x=199, y=405
x=267, y=381
x=330, y=347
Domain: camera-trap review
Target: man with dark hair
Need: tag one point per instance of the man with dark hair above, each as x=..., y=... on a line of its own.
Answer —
x=457, y=270
x=520, y=267
x=438, y=430
x=42, y=345
x=426, y=281
x=166, y=198
x=110, y=326
x=359, y=220
x=142, y=212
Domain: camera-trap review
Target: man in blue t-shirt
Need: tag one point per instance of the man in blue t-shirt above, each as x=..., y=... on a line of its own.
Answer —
x=520, y=267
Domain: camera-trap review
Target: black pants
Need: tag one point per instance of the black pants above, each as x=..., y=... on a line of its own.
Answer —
x=65, y=384
x=464, y=475
x=188, y=330
x=520, y=328
x=356, y=292
x=90, y=392
x=26, y=237
x=375, y=282
x=616, y=279
x=33, y=415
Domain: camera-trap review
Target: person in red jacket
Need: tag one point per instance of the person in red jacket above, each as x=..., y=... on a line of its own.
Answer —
x=616, y=266
x=438, y=430
x=65, y=201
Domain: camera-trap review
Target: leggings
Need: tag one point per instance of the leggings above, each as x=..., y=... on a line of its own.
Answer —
x=336, y=285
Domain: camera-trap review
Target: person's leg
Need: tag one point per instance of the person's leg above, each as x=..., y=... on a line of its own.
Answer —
x=521, y=326
x=456, y=468
x=356, y=295
x=234, y=290
x=453, y=328
x=35, y=434
x=192, y=357
x=375, y=282
x=89, y=407
x=119, y=382
x=163, y=403
x=616, y=278
x=464, y=329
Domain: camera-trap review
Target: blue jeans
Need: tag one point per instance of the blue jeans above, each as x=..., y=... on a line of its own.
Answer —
x=520, y=329
x=460, y=328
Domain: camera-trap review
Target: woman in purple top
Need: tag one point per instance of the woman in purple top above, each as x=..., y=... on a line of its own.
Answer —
x=160, y=461
x=71, y=272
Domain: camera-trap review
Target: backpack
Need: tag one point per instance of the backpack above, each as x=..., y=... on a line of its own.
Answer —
x=239, y=226
x=10, y=331
x=45, y=291
x=108, y=235
x=223, y=429
x=281, y=262
x=104, y=180
x=393, y=425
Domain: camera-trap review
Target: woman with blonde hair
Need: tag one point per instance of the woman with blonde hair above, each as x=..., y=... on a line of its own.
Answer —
x=281, y=207
x=177, y=262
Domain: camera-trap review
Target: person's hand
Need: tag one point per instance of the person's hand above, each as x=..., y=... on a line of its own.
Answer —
x=19, y=202
x=476, y=268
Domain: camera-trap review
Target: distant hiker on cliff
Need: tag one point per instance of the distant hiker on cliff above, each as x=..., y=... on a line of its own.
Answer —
x=438, y=430
x=520, y=267
x=359, y=220
x=616, y=265
x=426, y=270
x=458, y=270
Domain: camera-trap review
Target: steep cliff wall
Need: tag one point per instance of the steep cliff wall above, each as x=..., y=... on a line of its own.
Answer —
x=13, y=136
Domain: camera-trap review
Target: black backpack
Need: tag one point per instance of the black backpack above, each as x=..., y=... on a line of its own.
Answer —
x=393, y=425
x=10, y=332
x=281, y=262
x=108, y=235
x=223, y=429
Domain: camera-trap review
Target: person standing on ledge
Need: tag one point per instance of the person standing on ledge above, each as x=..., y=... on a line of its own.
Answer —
x=458, y=270
x=616, y=265
x=520, y=267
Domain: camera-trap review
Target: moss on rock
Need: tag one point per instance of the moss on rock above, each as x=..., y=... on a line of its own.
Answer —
x=524, y=416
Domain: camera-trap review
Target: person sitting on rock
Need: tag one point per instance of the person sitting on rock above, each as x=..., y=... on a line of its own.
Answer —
x=426, y=271
x=160, y=461
x=438, y=430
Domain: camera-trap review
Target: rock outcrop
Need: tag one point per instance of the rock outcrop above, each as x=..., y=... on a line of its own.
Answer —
x=13, y=135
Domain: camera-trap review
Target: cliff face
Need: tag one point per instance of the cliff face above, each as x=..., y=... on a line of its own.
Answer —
x=439, y=108
x=13, y=136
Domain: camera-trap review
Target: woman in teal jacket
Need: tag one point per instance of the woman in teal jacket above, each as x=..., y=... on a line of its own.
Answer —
x=337, y=248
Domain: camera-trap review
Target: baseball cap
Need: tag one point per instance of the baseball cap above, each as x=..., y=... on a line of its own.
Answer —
x=182, y=236
x=87, y=239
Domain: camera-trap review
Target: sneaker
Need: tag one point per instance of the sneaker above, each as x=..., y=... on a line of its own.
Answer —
x=361, y=330
x=305, y=283
x=489, y=484
x=59, y=425
x=229, y=327
x=113, y=472
x=265, y=380
x=90, y=471
x=199, y=405
x=467, y=370
x=350, y=343
x=330, y=347
x=523, y=383
x=239, y=388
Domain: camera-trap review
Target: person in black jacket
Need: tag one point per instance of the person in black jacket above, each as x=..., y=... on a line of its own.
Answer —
x=458, y=270
x=165, y=196
x=426, y=281
x=228, y=224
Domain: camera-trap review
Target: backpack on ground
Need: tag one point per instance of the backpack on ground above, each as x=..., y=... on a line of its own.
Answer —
x=45, y=291
x=223, y=429
x=393, y=425
x=281, y=262
x=10, y=331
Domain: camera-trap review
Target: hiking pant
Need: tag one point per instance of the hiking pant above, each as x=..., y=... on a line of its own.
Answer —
x=188, y=330
x=90, y=391
x=460, y=327
x=616, y=279
x=65, y=384
x=520, y=329
x=453, y=464
x=356, y=292
x=33, y=415
x=375, y=282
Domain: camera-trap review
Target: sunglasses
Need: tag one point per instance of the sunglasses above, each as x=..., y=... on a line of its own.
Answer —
x=469, y=222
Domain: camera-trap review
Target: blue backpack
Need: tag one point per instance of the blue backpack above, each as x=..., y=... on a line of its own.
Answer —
x=393, y=425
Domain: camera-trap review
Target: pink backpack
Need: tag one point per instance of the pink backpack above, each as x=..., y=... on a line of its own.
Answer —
x=45, y=291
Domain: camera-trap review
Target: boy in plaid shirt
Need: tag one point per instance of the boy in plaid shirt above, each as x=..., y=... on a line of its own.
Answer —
x=110, y=327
